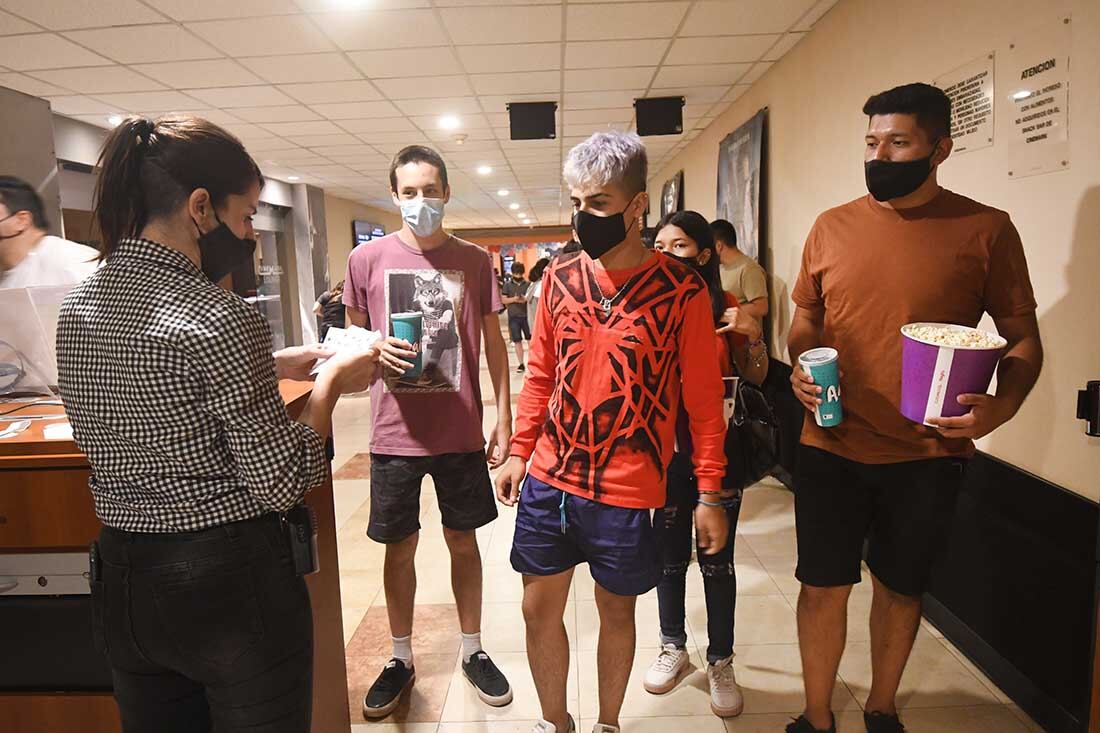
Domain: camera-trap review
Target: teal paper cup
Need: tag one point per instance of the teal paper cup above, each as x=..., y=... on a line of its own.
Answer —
x=410, y=327
x=821, y=364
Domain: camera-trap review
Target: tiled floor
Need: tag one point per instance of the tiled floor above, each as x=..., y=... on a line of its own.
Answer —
x=940, y=692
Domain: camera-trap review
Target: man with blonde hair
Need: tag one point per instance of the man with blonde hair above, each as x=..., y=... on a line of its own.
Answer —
x=621, y=333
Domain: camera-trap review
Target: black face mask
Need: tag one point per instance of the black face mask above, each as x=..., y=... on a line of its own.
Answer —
x=599, y=235
x=691, y=262
x=222, y=251
x=889, y=179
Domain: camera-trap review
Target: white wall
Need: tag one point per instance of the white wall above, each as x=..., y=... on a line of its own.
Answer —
x=814, y=96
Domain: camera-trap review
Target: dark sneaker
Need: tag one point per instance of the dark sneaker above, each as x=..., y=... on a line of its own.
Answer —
x=882, y=723
x=491, y=686
x=386, y=692
x=801, y=725
x=520, y=369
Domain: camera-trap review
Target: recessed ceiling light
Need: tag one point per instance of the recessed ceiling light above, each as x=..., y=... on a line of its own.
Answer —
x=293, y=178
x=484, y=170
x=502, y=192
x=513, y=206
x=449, y=122
x=521, y=215
x=115, y=120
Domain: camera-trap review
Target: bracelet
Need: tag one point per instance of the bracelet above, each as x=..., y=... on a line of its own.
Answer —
x=704, y=502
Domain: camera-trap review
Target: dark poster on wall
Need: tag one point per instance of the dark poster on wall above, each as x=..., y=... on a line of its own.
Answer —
x=672, y=195
x=740, y=162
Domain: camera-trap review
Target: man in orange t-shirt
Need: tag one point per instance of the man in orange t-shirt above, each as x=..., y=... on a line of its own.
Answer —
x=909, y=252
x=622, y=335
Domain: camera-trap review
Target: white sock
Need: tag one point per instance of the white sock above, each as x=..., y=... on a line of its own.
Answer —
x=403, y=649
x=471, y=645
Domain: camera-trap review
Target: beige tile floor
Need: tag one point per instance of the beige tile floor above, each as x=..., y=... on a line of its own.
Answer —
x=940, y=692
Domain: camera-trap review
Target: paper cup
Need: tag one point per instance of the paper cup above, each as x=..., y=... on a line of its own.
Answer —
x=933, y=376
x=410, y=326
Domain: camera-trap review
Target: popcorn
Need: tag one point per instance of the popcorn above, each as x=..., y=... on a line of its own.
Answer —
x=956, y=337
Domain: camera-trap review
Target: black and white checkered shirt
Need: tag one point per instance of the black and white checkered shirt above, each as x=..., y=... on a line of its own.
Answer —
x=170, y=386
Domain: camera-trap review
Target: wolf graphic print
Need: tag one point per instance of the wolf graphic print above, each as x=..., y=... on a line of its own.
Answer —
x=438, y=295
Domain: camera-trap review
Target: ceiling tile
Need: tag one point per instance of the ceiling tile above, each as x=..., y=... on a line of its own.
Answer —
x=525, y=82
x=260, y=96
x=29, y=85
x=151, y=101
x=79, y=105
x=702, y=75
x=296, y=156
x=45, y=51
x=469, y=122
x=247, y=132
x=333, y=91
x=145, y=44
x=381, y=124
x=702, y=95
x=757, y=71
x=284, y=34
x=594, y=80
x=199, y=74
x=735, y=92
x=354, y=31
x=774, y=16
x=720, y=50
x=405, y=62
x=529, y=24
x=287, y=113
x=351, y=110
x=624, y=20
x=588, y=128
x=10, y=25
x=601, y=100
x=215, y=9
x=497, y=104
x=619, y=114
x=816, y=13
x=67, y=14
x=785, y=44
x=598, y=54
x=386, y=138
x=303, y=68
x=510, y=57
x=99, y=79
x=316, y=127
x=425, y=87
x=446, y=106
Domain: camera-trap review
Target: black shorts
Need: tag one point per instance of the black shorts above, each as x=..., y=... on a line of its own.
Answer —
x=903, y=510
x=519, y=329
x=462, y=485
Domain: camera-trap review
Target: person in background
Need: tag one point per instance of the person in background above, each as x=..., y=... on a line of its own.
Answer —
x=623, y=335
x=431, y=424
x=877, y=477
x=742, y=276
x=29, y=257
x=533, y=294
x=571, y=246
x=515, y=299
x=330, y=307
x=685, y=236
x=173, y=394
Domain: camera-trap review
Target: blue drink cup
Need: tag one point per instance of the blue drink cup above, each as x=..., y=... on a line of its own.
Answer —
x=410, y=327
x=821, y=364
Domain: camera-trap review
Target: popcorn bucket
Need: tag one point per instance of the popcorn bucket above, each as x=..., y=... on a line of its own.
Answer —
x=939, y=362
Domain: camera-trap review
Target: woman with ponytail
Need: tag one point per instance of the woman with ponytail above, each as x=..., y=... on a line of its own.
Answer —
x=172, y=390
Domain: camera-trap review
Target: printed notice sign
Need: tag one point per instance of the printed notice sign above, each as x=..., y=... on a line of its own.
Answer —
x=970, y=88
x=1038, y=90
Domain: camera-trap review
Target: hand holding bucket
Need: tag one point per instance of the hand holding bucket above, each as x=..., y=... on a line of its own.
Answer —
x=942, y=361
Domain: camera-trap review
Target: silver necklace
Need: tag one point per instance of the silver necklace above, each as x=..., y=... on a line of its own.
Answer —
x=607, y=303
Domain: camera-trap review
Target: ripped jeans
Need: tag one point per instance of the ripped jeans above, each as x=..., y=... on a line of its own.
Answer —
x=719, y=579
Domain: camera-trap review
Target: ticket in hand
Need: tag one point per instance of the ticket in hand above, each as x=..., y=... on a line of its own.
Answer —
x=352, y=339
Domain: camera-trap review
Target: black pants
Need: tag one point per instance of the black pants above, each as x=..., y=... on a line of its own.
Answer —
x=719, y=578
x=208, y=630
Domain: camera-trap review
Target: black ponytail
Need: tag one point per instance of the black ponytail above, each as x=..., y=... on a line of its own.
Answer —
x=119, y=207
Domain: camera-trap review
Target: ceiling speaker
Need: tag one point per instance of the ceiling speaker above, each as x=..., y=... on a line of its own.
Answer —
x=660, y=115
x=533, y=120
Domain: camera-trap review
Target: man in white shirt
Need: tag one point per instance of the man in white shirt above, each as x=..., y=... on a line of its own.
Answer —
x=29, y=257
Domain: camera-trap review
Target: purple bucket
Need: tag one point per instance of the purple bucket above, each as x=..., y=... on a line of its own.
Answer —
x=933, y=376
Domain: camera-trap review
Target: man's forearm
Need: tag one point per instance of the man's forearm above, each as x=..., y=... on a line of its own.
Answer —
x=1018, y=371
x=758, y=308
x=496, y=353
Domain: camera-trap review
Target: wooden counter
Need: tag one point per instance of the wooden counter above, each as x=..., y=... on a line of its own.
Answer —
x=45, y=506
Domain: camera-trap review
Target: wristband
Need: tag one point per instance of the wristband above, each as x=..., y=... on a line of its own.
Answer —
x=704, y=502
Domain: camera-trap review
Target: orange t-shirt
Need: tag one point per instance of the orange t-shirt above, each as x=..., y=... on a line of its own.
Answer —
x=870, y=270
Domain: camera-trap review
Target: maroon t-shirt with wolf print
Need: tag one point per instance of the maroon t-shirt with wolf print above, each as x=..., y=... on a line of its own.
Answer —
x=454, y=288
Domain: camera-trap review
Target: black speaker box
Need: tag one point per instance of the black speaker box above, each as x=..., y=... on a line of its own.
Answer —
x=533, y=120
x=660, y=115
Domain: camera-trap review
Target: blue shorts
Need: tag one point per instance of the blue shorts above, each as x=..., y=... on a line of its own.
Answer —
x=556, y=531
x=519, y=329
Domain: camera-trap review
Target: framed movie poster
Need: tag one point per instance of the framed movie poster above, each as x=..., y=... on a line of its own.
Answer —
x=672, y=194
x=739, y=163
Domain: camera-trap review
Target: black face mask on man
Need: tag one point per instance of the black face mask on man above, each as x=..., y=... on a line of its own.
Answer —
x=892, y=179
x=221, y=251
x=599, y=235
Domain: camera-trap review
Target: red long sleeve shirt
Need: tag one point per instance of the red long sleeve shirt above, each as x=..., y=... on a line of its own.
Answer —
x=597, y=414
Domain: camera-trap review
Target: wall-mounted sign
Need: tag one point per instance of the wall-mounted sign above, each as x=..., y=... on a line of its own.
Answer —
x=1038, y=90
x=970, y=88
x=270, y=271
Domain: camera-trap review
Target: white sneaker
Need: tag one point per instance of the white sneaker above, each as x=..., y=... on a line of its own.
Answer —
x=601, y=728
x=725, y=695
x=665, y=670
x=545, y=726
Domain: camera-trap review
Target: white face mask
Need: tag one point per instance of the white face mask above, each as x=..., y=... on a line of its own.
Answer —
x=424, y=216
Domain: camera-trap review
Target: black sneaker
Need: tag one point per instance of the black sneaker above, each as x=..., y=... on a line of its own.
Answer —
x=491, y=686
x=882, y=723
x=520, y=369
x=386, y=692
x=801, y=725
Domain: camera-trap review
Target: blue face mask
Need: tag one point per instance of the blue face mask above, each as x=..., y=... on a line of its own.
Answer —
x=424, y=216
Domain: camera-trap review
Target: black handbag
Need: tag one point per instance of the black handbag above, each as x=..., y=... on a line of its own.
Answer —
x=752, y=438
